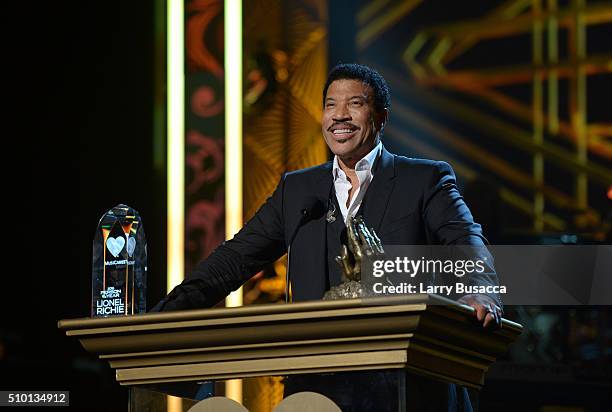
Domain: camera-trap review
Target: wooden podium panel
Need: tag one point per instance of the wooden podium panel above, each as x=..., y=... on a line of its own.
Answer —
x=425, y=334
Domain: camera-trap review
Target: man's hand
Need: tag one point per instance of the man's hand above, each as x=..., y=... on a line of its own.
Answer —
x=486, y=311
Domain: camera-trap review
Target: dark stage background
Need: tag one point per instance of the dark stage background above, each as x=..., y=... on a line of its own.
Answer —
x=92, y=71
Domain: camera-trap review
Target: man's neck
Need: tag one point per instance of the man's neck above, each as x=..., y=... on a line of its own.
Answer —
x=347, y=164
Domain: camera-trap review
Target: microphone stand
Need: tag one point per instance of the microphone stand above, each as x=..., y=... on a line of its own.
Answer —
x=305, y=214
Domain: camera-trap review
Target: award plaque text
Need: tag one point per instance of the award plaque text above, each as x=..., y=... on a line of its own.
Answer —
x=119, y=269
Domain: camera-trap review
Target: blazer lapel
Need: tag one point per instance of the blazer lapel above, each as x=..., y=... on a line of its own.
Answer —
x=318, y=241
x=377, y=197
x=309, y=250
x=323, y=183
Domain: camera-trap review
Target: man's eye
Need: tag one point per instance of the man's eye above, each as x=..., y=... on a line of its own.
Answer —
x=357, y=103
x=329, y=105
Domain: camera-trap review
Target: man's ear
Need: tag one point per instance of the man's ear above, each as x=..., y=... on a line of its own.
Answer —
x=385, y=118
x=381, y=119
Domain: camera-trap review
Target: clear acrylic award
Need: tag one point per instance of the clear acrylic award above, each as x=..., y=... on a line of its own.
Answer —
x=119, y=269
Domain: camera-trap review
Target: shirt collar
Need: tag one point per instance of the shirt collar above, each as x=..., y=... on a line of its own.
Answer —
x=364, y=164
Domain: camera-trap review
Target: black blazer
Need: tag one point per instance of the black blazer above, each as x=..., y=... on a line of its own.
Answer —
x=409, y=201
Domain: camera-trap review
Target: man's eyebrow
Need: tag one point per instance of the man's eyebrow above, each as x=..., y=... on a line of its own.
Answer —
x=350, y=98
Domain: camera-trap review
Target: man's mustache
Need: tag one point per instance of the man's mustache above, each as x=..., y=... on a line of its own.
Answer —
x=345, y=124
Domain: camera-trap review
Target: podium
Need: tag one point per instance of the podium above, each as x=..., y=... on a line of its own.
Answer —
x=180, y=352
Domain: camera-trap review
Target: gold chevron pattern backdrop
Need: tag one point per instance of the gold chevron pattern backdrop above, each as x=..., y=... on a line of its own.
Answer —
x=286, y=58
x=285, y=70
x=526, y=100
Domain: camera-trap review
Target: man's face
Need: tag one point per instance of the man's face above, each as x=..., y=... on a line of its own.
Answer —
x=349, y=119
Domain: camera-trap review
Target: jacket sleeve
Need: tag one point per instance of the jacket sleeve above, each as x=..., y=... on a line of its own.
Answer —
x=259, y=242
x=449, y=222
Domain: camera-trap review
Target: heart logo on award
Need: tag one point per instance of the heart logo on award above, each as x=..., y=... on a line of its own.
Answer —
x=131, y=245
x=114, y=245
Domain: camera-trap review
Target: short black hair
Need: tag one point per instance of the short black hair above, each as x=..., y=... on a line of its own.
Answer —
x=369, y=76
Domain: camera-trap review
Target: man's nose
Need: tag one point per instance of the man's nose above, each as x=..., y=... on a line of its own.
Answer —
x=341, y=113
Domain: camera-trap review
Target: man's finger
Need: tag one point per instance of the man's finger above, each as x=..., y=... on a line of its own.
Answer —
x=498, y=317
x=481, y=312
x=490, y=320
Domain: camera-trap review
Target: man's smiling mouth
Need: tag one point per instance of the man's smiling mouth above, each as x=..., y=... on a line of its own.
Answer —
x=343, y=132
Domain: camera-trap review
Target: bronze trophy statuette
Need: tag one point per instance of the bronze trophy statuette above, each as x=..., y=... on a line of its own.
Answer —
x=363, y=243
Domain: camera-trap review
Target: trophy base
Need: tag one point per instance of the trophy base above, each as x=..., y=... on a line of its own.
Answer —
x=347, y=290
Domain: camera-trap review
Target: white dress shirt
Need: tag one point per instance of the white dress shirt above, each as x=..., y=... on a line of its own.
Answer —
x=363, y=169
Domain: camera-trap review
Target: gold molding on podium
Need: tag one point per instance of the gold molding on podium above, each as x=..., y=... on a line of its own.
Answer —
x=425, y=334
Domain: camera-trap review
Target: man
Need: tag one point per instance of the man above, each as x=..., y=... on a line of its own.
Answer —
x=407, y=201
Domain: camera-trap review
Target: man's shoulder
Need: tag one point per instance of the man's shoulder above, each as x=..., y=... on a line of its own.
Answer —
x=314, y=172
x=404, y=164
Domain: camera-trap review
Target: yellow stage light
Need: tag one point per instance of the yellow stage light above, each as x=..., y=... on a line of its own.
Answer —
x=233, y=145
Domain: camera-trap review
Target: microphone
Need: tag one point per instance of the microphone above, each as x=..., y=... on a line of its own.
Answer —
x=313, y=209
x=330, y=216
